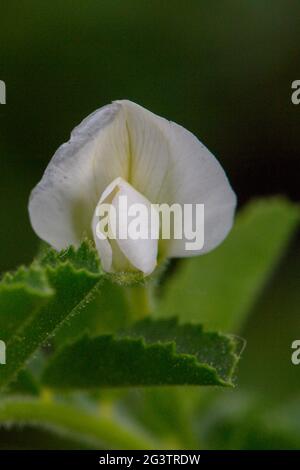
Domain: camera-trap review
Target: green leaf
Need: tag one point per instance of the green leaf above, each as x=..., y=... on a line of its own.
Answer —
x=73, y=275
x=107, y=312
x=149, y=353
x=85, y=258
x=249, y=421
x=220, y=288
x=21, y=295
x=24, y=384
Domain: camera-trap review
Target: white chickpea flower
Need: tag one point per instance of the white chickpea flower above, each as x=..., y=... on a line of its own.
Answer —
x=124, y=150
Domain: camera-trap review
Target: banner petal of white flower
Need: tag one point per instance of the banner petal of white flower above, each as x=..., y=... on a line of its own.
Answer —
x=196, y=177
x=149, y=151
x=61, y=206
x=186, y=171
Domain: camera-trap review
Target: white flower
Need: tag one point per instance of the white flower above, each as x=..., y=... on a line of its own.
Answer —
x=123, y=149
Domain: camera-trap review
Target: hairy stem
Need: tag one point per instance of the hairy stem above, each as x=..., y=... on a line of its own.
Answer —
x=99, y=431
x=139, y=301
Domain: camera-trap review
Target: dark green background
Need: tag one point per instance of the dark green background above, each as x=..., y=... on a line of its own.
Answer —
x=223, y=69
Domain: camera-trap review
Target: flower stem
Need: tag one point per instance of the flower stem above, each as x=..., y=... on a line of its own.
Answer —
x=81, y=424
x=139, y=301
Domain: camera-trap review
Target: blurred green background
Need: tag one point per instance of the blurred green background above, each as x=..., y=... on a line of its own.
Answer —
x=222, y=69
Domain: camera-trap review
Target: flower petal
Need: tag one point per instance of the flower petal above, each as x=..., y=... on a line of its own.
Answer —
x=172, y=166
x=128, y=253
x=148, y=150
x=196, y=177
x=61, y=206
